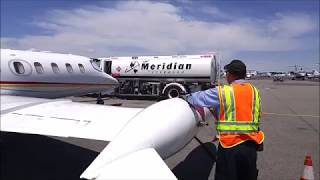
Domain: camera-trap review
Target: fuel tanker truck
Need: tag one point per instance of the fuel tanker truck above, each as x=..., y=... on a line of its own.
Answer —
x=162, y=76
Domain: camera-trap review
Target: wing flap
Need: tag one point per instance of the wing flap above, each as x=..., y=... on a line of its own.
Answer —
x=64, y=118
x=143, y=164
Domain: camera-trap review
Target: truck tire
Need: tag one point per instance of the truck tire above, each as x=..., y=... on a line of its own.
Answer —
x=172, y=92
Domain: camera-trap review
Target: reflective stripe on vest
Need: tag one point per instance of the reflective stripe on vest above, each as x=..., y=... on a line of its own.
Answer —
x=227, y=122
x=256, y=109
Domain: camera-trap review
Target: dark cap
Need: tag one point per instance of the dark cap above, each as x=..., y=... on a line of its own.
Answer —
x=237, y=68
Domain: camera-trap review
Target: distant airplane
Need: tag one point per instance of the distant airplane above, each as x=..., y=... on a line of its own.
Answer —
x=314, y=74
x=251, y=74
x=298, y=73
x=140, y=138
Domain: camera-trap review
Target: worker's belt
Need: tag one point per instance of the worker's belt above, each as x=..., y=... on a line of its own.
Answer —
x=258, y=147
x=236, y=127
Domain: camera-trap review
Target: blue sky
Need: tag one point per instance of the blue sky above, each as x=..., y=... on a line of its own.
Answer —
x=266, y=35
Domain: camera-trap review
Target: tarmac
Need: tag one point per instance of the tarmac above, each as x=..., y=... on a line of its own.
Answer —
x=290, y=121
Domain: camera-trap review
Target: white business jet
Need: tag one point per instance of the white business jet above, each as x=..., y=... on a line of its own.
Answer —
x=50, y=75
x=140, y=138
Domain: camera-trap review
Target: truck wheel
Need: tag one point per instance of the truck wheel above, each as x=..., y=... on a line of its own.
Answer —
x=172, y=92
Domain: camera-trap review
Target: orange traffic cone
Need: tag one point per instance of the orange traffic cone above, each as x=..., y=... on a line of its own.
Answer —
x=308, y=169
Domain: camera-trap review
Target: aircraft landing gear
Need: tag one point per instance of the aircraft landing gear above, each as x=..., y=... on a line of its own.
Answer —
x=99, y=99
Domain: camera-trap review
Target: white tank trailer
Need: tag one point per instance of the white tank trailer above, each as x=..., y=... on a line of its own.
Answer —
x=162, y=76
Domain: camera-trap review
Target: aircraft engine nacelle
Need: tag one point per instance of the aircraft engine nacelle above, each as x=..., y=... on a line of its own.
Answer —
x=166, y=126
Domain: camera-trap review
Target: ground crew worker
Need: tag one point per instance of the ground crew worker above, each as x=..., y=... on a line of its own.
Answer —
x=237, y=111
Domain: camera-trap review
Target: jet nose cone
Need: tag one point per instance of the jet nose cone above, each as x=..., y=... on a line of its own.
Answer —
x=112, y=80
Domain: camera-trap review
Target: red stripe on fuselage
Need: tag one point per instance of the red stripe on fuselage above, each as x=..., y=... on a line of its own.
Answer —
x=63, y=83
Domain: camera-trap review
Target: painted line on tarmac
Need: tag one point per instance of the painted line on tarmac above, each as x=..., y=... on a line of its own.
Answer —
x=294, y=115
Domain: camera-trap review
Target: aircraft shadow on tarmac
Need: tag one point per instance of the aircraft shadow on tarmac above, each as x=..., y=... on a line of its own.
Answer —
x=37, y=157
x=198, y=164
x=41, y=158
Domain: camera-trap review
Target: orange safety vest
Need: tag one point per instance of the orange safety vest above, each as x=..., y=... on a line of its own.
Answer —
x=239, y=114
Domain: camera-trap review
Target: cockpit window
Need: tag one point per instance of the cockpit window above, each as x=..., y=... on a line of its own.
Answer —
x=96, y=64
x=69, y=68
x=81, y=67
x=55, y=68
x=39, y=68
x=18, y=67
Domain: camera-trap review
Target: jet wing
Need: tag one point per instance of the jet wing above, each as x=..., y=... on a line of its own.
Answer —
x=63, y=118
x=142, y=164
x=140, y=138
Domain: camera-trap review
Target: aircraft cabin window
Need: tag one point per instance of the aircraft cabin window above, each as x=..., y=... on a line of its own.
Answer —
x=69, y=68
x=96, y=64
x=81, y=67
x=18, y=67
x=38, y=67
x=55, y=68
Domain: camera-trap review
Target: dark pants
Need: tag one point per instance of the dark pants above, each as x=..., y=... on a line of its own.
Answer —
x=237, y=163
